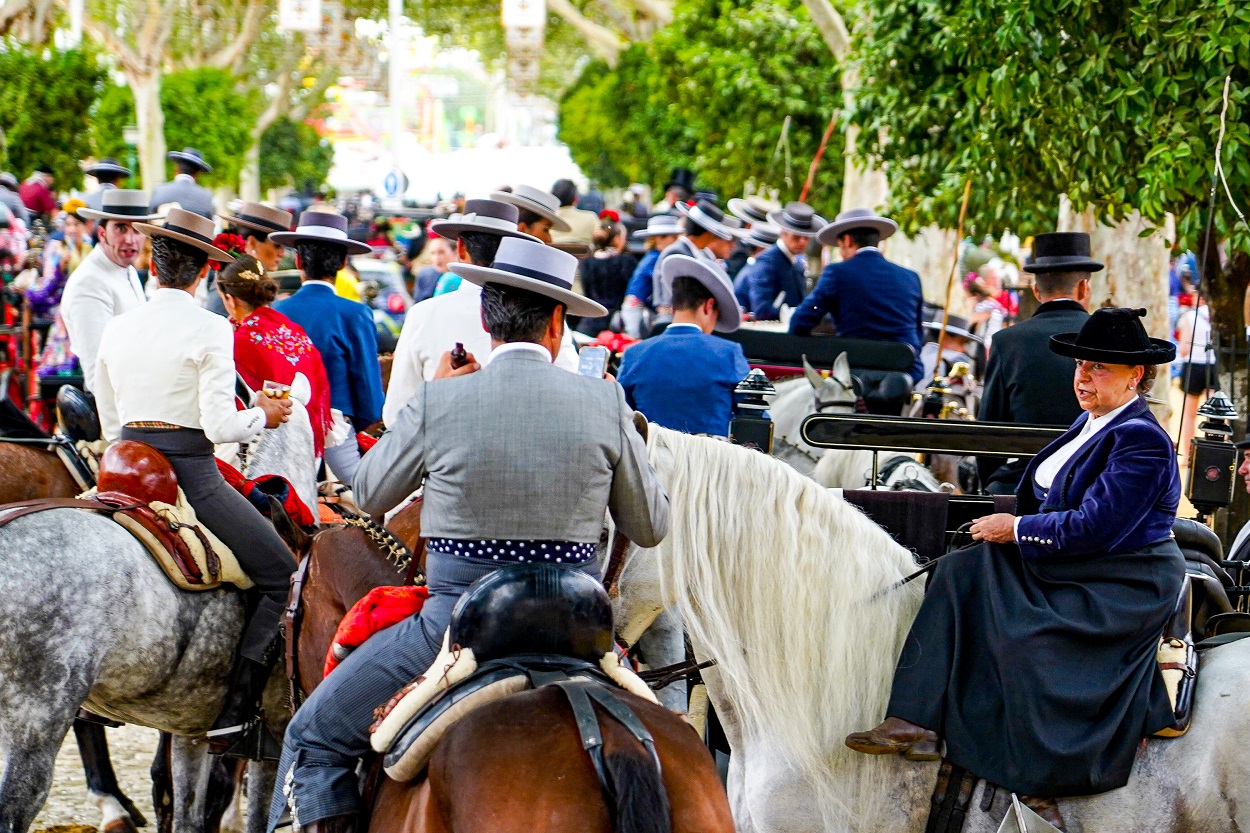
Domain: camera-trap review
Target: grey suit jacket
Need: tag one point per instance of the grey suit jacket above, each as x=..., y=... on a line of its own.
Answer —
x=521, y=449
x=95, y=200
x=189, y=195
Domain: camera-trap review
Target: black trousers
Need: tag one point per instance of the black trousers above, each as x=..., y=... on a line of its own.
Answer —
x=260, y=551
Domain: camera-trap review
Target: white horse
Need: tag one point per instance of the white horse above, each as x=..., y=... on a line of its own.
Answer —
x=287, y=449
x=779, y=581
x=798, y=399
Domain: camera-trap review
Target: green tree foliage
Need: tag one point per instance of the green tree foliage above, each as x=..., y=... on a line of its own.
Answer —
x=711, y=91
x=291, y=153
x=45, y=101
x=203, y=109
x=1114, y=104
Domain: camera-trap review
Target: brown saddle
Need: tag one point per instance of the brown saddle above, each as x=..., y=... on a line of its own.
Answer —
x=133, y=475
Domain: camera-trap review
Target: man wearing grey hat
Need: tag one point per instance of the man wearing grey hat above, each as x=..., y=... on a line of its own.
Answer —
x=184, y=190
x=777, y=277
x=105, y=284
x=509, y=477
x=107, y=172
x=707, y=235
x=865, y=295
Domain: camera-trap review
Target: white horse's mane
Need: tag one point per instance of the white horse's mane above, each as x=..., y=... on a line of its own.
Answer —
x=768, y=568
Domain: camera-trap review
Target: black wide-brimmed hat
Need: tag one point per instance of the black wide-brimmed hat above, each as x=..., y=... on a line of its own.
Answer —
x=1116, y=336
x=1061, y=251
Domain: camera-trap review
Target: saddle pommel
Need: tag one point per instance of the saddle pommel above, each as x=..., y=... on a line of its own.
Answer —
x=138, y=470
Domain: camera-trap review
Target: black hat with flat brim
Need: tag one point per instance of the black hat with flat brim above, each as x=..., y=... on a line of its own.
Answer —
x=1061, y=251
x=1115, y=336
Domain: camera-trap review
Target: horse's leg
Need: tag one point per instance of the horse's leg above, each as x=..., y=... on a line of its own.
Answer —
x=120, y=813
x=261, y=777
x=163, y=785
x=233, y=819
x=191, y=767
x=29, y=756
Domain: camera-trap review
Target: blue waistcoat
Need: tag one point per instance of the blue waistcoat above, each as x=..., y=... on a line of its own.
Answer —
x=773, y=274
x=1118, y=493
x=868, y=297
x=348, y=342
x=684, y=379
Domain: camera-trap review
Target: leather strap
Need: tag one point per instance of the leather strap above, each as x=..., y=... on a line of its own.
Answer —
x=290, y=630
x=414, y=563
x=588, y=728
x=616, y=562
x=15, y=510
x=1177, y=666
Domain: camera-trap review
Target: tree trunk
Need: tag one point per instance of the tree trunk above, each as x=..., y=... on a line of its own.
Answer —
x=1136, y=273
x=150, y=119
x=249, y=176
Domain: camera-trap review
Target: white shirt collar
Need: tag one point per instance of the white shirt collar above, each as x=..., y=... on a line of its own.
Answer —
x=683, y=324
x=1096, y=424
x=790, y=257
x=327, y=284
x=867, y=249
x=184, y=178
x=518, y=346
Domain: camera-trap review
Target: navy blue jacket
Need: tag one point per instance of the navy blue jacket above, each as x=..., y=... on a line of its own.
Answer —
x=867, y=297
x=683, y=379
x=640, y=281
x=348, y=342
x=772, y=274
x=1117, y=494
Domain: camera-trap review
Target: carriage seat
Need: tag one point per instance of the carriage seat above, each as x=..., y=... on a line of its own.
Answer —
x=884, y=392
x=518, y=628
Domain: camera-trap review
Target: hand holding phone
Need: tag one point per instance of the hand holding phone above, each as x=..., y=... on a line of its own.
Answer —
x=593, y=361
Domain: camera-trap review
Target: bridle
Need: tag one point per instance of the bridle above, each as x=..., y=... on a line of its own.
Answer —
x=820, y=406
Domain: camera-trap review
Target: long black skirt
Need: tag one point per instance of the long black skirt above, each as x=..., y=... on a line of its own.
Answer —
x=1041, y=675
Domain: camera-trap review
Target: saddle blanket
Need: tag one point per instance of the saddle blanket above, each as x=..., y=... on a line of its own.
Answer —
x=380, y=608
x=410, y=726
x=218, y=568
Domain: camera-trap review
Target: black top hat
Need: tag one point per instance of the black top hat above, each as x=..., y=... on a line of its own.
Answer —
x=1061, y=251
x=681, y=178
x=1115, y=336
x=190, y=156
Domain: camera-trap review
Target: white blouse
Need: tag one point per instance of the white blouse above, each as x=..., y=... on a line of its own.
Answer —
x=172, y=361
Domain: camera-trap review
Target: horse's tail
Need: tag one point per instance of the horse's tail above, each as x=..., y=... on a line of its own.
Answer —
x=634, y=782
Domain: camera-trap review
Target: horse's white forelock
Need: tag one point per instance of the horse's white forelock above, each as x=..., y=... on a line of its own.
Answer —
x=777, y=579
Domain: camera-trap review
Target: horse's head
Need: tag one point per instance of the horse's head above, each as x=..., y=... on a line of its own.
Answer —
x=290, y=532
x=835, y=392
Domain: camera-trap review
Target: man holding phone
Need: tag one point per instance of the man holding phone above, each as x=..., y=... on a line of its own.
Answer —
x=684, y=379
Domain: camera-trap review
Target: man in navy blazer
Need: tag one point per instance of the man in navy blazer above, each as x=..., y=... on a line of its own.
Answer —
x=866, y=295
x=343, y=330
x=778, y=270
x=684, y=378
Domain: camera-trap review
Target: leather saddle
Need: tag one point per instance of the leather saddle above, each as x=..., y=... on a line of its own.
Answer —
x=138, y=489
x=534, y=609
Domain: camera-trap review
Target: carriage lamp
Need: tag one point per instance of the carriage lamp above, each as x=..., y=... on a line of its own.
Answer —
x=1213, y=457
x=752, y=426
x=934, y=398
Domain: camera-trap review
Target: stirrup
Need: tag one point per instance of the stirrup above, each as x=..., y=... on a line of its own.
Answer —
x=250, y=741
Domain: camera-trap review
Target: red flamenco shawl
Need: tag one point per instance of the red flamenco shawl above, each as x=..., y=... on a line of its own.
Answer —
x=268, y=346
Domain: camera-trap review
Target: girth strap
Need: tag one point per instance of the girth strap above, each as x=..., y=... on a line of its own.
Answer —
x=580, y=694
x=952, y=793
x=291, y=620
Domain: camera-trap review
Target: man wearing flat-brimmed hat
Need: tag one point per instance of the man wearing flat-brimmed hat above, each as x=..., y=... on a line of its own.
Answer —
x=757, y=240
x=184, y=191
x=677, y=190
x=434, y=326
x=1024, y=381
x=954, y=347
x=539, y=211
x=255, y=222
x=107, y=172
x=342, y=331
x=684, y=378
x=105, y=284
x=753, y=211
x=865, y=295
x=706, y=234
x=661, y=232
x=165, y=376
x=519, y=461
x=777, y=277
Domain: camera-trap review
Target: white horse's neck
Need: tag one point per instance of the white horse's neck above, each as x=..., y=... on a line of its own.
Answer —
x=781, y=583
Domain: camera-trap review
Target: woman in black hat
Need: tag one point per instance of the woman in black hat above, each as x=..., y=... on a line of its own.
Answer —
x=1033, y=654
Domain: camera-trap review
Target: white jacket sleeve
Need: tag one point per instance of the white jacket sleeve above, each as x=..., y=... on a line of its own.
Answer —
x=86, y=309
x=406, y=370
x=221, y=421
x=106, y=399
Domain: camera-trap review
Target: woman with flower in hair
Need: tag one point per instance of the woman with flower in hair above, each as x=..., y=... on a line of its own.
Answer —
x=269, y=347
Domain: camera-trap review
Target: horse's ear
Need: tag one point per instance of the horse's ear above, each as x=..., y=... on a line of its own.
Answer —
x=842, y=369
x=813, y=375
x=297, y=539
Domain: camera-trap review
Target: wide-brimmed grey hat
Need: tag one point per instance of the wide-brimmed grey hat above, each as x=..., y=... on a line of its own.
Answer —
x=752, y=209
x=714, y=278
x=797, y=218
x=762, y=235
x=955, y=326
x=259, y=217
x=108, y=166
x=708, y=215
x=190, y=156
x=543, y=203
x=534, y=267
x=661, y=225
x=126, y=204
x=853, y=219
x=187, y=227
x=317, y=226
x=9, y=181
x=485, y=216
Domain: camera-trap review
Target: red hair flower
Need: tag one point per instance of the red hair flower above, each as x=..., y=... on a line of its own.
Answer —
x=231, y=244
x=610, y=214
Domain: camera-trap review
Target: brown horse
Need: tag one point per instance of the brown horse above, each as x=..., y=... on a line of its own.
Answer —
x=516, y=764
x=28, y=472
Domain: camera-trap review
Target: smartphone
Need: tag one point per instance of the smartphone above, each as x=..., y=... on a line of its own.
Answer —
x=593, y=361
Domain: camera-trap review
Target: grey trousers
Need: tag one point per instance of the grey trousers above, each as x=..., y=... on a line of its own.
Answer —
x=330, y=733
